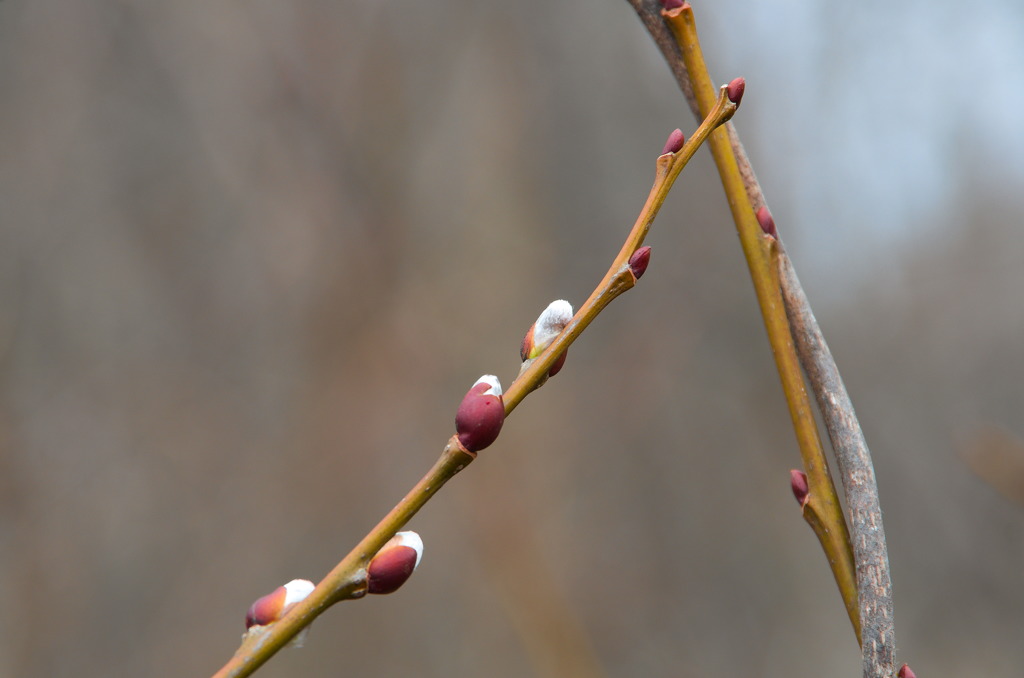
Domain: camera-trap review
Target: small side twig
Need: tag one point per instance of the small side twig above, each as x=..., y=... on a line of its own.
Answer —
x=874, y=586
x=649, y=12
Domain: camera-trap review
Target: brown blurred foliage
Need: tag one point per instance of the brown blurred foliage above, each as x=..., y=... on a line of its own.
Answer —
x=253, y=253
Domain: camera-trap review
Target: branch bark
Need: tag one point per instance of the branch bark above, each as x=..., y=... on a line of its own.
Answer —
x=874, y=585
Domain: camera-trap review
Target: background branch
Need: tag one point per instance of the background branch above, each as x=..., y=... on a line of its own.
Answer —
x=874, y=585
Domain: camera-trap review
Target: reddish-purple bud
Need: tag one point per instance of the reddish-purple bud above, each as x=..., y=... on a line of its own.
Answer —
x=638, y=262
x=798, y=482
x=481, y=414
x=526, y=347
x=906, y=672
x=675, y=142
x=735, y=90
x=764, y=217
x=556, y=366
x=671, y=4
x=394, y=563
x=271, y=607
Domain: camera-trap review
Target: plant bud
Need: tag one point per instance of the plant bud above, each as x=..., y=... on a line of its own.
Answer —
x=906, y=672
x=549, y=325
x=481, y=414
x=273, y=606
x=798, y=482
x=675, y=142
x=394, y=563
x=671, y=4
x=735, y=90
x=638, y=262
x=764, y=218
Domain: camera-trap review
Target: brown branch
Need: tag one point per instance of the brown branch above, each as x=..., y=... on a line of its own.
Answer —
x=874, y=587
x=649, y=12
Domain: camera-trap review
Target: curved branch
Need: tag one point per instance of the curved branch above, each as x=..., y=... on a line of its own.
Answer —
x=874, y=586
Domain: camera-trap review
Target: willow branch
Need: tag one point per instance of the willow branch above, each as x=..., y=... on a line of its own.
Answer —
x=823, y=502
x=348, y=579
x=618, y=278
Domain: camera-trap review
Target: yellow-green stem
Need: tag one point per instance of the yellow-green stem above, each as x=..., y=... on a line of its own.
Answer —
x=348, y=578
x=619, y=278
x=830, y=524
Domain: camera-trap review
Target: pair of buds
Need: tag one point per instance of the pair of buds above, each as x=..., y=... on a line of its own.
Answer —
x=481, y=414
x=387, y=571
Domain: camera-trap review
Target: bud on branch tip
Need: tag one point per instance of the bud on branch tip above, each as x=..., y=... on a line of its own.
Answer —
x=735, y=90
x=549, y=325
x=481, y=414
x=394, y=563
x=798, y=483
x=675, y=142
x=906, y=672
x=638, y=262
x=671, y=4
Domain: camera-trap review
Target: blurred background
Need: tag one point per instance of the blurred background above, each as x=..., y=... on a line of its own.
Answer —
x=252, y=254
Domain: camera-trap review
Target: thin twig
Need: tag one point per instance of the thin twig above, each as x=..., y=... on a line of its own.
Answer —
x=619, y=279
x=649, y=12
x=874, y=587
x=348, y=578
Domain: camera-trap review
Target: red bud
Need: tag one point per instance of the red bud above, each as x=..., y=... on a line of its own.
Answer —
x=638, y=262
x=481, y=414
x=671, y=4
x=798, y=482
x=764, y=217
x=271, y=607
x=735, y=90
x=527, y=345
x=675, y=142
x=266, y=609
x=394, y=563
x=906, y=672
x=556, y=366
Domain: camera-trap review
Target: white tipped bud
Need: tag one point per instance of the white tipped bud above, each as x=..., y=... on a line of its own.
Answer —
x=275, y=604
x=493, y=389
x=549, y=325
x=481, y=414
x=296, y=591
x=394, y=563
